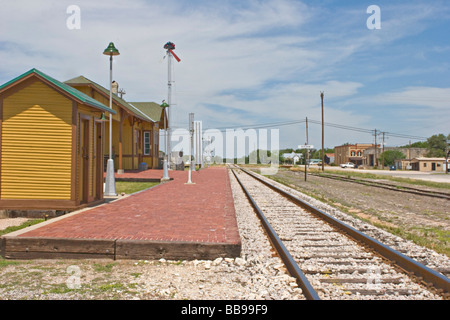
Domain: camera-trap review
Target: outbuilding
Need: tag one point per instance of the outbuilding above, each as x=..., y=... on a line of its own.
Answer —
x=51, y=142
x=428, y=164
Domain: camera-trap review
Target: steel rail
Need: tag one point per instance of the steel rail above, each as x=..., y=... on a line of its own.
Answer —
x=288, y=260
x=428, y=276
x=387, y=186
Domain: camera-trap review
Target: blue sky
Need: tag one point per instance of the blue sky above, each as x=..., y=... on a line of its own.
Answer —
x=252, y=62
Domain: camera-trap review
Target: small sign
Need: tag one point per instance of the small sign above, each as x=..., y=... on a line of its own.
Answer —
x=305, y=146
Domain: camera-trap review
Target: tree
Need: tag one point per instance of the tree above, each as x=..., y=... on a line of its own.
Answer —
x=418, y=144
x=261, y=157
x=390, y=156
x=437, y=145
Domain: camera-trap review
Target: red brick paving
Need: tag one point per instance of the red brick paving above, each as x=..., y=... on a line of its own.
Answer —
x=172, y=211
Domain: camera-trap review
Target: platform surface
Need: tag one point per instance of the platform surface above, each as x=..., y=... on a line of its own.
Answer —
x=174, y=220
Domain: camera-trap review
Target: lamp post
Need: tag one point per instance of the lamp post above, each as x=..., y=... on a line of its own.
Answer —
x=110, y=183
x=165, y=177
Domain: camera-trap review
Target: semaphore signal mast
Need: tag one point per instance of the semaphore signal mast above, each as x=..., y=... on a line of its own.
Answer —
x=169, y=46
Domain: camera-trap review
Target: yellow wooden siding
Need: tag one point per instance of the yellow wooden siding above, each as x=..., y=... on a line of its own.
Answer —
x=148, y=160
x=36, y=144
x=127, y=164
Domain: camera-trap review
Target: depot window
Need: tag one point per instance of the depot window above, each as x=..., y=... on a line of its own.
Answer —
x=147, y=145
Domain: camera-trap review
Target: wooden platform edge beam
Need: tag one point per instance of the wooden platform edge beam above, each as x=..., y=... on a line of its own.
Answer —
x=54, y=248
x=175, y=250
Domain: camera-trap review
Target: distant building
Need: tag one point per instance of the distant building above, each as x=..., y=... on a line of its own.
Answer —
x=352, y=153
x=428, y=164
x=292, y=157
x=410, y=153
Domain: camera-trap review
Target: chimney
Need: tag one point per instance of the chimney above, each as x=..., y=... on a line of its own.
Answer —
x=115, y=87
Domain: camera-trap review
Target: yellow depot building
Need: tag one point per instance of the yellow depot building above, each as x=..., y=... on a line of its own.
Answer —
x=51, y=145
x=53, y=141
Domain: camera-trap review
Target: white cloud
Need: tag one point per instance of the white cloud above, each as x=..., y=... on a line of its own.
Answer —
x=429, y=97
x=266, y=60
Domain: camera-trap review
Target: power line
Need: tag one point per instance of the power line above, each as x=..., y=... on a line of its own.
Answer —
x=257, y=126
x=328, y=124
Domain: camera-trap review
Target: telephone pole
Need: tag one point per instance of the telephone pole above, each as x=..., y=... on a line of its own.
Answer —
x=375, y=161
x=323, y=155
x=307, y=150
x=382, y=165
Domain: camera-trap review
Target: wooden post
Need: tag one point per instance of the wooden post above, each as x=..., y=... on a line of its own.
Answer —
x=120, y=140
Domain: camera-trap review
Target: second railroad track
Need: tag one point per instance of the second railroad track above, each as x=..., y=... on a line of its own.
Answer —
x=388, y=186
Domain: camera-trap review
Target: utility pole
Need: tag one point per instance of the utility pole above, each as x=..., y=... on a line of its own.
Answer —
x=307, y=150
x=375, y=161
x=447, y=155
x=383, y=152
x=409, y=151
x=323, y=155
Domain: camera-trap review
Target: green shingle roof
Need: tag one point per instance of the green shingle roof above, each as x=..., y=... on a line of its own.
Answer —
x=78, y=95
x=148, y=112
x=150, y=109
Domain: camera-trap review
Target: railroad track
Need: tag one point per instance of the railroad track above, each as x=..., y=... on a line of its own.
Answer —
x=377, y=184
x=332, y=260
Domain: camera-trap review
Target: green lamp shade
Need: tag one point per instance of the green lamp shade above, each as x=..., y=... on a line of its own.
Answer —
x=111, y=50
x=164, y=105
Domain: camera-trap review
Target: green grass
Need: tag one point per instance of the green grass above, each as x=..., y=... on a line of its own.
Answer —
x=429, y=237
x=112, y=287
x=129, y=187
x=104, y=268
x=23, y=225
x=59, y=289
x=4, y=263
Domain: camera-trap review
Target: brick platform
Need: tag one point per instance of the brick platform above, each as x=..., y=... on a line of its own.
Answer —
x=173, y=220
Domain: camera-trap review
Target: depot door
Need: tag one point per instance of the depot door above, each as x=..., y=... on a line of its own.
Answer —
x=84, y=161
